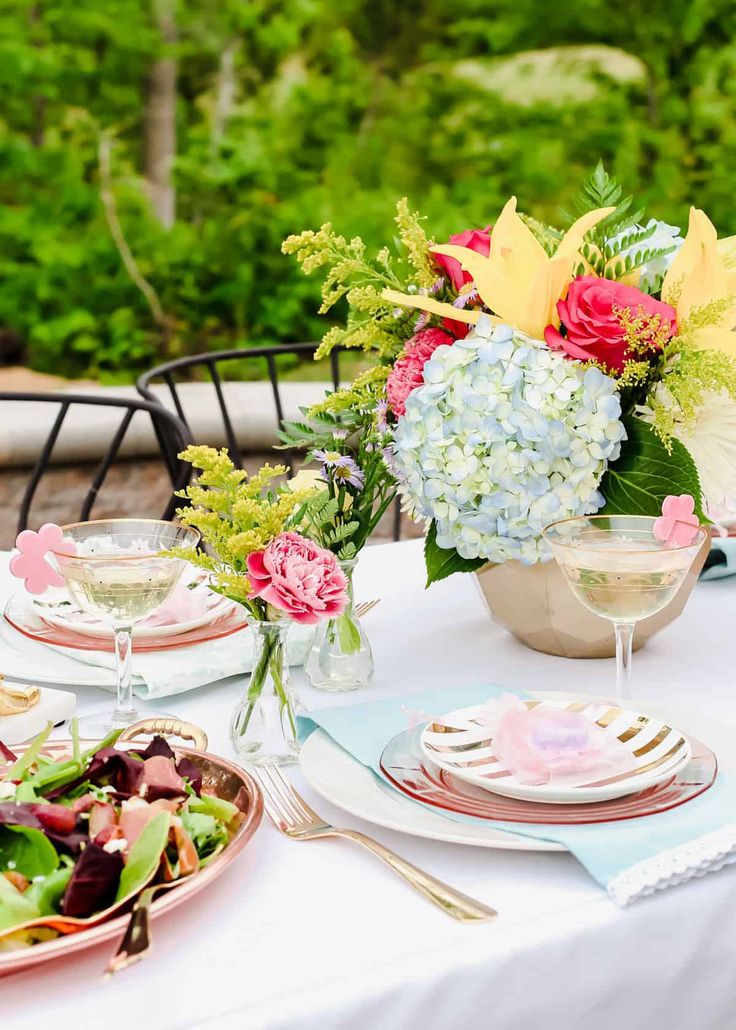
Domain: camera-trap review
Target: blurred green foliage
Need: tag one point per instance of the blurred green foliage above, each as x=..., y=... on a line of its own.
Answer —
x=339, y=107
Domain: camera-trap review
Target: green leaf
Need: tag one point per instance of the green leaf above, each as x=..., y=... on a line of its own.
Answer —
x=144, y=856
x=46, y=894
x=207, y=804
x=441, y=562
x=15, y=908
x=646, y=472
x=348, y=634
x=27, y=851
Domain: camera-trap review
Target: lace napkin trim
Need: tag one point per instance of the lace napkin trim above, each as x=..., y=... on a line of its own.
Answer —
x=704, y=855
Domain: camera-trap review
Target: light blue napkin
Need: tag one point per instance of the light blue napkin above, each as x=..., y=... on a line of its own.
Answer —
x=721, y=560
x=630, y=857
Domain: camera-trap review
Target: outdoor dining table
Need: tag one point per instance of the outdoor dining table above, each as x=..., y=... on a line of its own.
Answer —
x=300, y=935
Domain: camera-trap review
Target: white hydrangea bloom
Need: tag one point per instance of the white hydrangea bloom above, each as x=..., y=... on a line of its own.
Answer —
x=664, y=235
x=505, y=436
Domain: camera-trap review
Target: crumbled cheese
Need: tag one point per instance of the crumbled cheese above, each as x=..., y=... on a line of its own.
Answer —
x=109, y=789
x=119, y=844
x=7, y=790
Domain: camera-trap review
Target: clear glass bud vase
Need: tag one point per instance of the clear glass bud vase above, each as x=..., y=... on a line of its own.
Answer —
x=340, y=657
x=263, y=725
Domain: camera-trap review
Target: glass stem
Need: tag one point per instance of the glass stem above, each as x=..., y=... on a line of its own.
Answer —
x=124, y=713
x=624, y=640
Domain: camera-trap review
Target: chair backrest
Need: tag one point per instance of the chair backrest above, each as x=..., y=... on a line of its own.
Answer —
x=171, y=434
x=256, y=362
x=250, y=363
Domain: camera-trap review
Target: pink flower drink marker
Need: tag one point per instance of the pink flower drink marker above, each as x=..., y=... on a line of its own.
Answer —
x=552, y=746
x=627, y=567
x=115, y=570
x=31, y=564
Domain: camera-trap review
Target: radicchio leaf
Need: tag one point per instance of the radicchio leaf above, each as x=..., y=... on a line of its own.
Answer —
x=14, y=813
x=94, y=882
x=157, y=746
x=108, y=766
x=188, y=770
x=7, y=754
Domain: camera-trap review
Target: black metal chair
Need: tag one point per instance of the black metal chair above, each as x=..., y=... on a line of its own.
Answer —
x=171, y=433
x=266, y=360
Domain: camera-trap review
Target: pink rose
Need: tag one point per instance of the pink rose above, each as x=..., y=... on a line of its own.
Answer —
x=478, y=240
x=591, y=317
x=304, y=580
x=408, y=372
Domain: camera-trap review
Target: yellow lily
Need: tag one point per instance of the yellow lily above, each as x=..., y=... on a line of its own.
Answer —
x=704, y=271
x=518, y=280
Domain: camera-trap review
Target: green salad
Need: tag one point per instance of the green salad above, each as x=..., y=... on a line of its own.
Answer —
x=85, y=834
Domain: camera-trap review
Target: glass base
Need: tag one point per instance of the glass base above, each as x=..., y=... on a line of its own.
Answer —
x=261, y=757
x=96, y=724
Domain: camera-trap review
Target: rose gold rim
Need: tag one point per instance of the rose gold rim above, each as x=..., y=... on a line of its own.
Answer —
x=125, y=557
x=14, y=961
x=703, y=533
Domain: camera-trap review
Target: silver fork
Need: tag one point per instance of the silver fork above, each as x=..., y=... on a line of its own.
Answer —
x=292, y=815
x=366, y=606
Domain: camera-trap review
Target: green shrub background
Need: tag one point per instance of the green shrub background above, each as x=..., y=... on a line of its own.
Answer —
x=340, y=107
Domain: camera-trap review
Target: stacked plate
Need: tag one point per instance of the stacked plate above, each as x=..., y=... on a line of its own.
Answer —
x=194, y=614
x=449, y=765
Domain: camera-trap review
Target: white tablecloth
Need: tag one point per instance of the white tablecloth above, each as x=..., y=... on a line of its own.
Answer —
x=301, y=936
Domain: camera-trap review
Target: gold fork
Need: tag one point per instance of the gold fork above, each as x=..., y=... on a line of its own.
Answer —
x=292, y=815
x=136, y=940
x=366, y=606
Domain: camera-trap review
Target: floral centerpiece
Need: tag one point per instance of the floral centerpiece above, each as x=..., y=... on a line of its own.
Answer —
x=255, y=556
x=528, y=372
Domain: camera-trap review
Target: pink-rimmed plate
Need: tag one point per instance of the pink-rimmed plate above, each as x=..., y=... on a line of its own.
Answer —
x=461, y=743
x=221, y=777
x=23, y=617
x=405, y=765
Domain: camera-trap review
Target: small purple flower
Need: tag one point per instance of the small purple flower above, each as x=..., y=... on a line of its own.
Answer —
x=389, y=460
x=437, y=285
x=348, y=473
x=465, y=297
x=340, y=468
x=421, y=322
x=339, y=434
x=382, y=416
x=328, y=458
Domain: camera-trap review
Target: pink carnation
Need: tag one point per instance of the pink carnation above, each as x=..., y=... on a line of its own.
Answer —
x=408, y=372
x=304, y=580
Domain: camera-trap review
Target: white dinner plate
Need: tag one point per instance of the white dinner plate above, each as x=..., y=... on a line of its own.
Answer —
x=57, y=609
x=343, y=781
x=460, y=744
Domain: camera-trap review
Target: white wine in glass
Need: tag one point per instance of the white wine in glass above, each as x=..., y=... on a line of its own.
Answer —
x=115, y=570
x=620, y=570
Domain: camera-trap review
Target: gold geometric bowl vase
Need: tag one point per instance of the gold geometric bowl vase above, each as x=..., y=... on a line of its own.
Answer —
x=535, y=604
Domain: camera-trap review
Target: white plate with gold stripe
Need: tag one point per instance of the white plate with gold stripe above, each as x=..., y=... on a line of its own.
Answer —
x=461, y=745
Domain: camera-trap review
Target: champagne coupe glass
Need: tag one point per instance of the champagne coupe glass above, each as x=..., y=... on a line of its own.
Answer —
x=619, y=569
x=115, y=571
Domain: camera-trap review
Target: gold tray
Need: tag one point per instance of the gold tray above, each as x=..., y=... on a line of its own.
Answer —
x=224, y=778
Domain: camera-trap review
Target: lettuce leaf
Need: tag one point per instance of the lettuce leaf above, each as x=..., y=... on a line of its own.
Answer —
x=15, y=908
x=144, y=856
x=27, y=851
